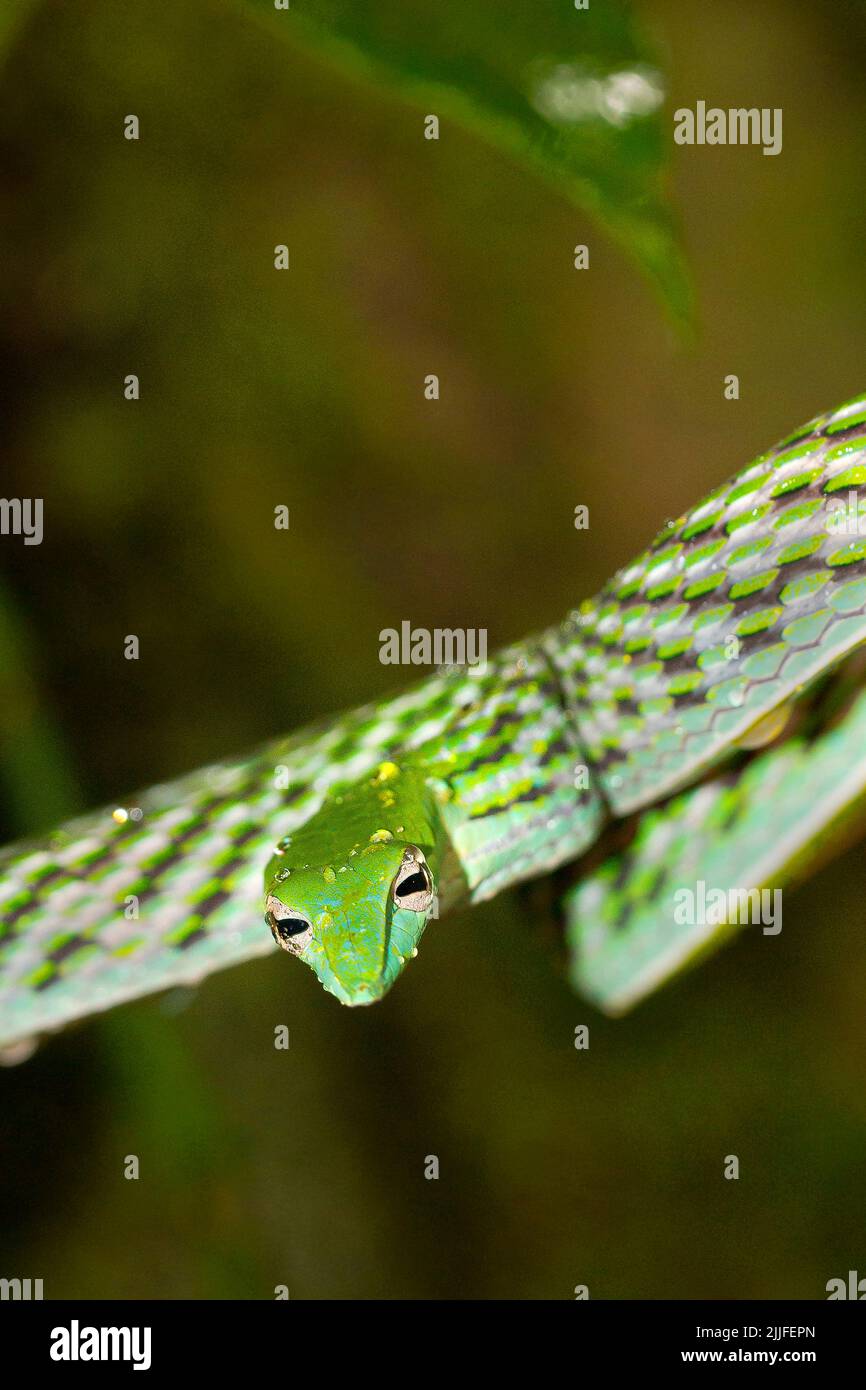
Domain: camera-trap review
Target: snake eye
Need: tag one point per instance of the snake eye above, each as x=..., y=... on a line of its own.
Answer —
x=413, y=886
x=291, y=930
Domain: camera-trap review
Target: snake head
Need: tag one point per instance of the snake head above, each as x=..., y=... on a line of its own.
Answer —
x=355, y=915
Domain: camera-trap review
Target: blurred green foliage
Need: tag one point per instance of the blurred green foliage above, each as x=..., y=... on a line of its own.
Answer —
x=305, y=1167
x=12, y=16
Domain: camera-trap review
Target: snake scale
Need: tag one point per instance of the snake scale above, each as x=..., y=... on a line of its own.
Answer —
x=703, y=718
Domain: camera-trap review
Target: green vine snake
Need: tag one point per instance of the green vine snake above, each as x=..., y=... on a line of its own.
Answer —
x=702, y=720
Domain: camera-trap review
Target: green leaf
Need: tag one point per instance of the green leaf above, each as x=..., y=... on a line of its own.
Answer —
x=574, y=94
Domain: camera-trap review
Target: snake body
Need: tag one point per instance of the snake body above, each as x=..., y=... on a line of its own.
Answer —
x=364, y=828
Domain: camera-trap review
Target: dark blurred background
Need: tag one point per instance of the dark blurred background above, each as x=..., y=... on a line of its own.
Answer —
x=305, y=1168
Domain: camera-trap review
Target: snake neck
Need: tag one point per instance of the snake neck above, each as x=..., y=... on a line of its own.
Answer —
x=514, y=791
